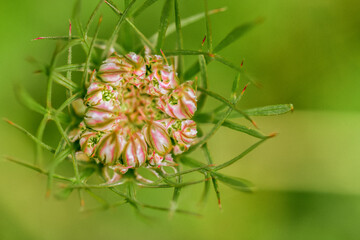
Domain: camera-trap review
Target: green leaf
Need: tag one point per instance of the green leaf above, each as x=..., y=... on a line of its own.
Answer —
x=240, y=156
x=137, y=31
x=29, y=102
x=76, y=17
x=67, y=102
x=213, y=130
x=205, y=193
x=235, y=67
x=230, y=38
x=66, y=138
x=235, y=87
x=234, y=182
x=227, y=102
x=270, y=110
x=56, y=38
x=69, y=58
x=180, y=44
x=241, y=128
x=59, y=158
x=63, y=81
x=234, y=35
x=217, y=190
x=35, y=168
x=115, y=33
x=194, y=163
x=176, y=194
x=194, y=69
x=92, y=18
x=143, y=7
x=39, y=135
x=71, y=67
x=128, y=41
x=187, y=171
x=64, y=194
x=184, y=52
x=208, y=118
x=213, y=179
x=88, y=58
x=164, y=23
x=35, y=139
x=204, y=82
x=186, y=22
x=204, y=76
x=208, y=27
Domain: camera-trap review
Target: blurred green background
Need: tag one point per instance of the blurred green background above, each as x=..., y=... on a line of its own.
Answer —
x=305, y=52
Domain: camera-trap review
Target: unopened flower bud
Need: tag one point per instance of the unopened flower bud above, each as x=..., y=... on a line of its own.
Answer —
x=114, y=70
x=89, y=141
x=187, y=134
x=110, y=147
x=138, y=64
x=99, y=119
x=181, y=103
x=157, y=137
x=135, y=151
x=101, y=96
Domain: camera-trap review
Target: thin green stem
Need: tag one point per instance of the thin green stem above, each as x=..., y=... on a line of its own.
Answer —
x=115, y=33
x=240, y=156
x=38, y=140
x=208, y=27
x=188, y=171
x=137, y=31
x=65, y=137
x=164, y=23
x=35, y=139
x=92, y=16
x=58, y=158
x=68, y=102
x=214, y=180
x=176, y=194
x=204, y=82
x=37, y=169
x=167, y=209
x=88, y=59
x=69, y=62
x=227, y=102
x=179, y=40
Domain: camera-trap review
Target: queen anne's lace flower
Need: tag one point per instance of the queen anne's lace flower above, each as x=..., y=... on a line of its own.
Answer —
x=138, y=114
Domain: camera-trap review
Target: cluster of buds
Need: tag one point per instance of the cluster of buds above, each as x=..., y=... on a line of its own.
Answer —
x=137, y=114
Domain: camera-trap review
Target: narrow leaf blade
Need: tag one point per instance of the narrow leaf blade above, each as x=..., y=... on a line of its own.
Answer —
x=271, y=110
x=143, y=7
x=29, y=102
x=236, y=183
x=35, y=139
x=234, y=35
x=164, y=23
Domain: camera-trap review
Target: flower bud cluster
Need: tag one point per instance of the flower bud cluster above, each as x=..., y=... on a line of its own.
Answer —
x=137, y=113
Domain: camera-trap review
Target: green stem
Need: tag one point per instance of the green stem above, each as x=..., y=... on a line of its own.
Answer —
x=37, y=169
x=241, y=155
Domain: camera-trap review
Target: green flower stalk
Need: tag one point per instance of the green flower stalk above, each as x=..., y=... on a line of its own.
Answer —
x=137, y=110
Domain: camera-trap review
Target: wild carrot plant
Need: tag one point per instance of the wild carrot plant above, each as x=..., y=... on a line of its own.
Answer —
x=133, y=117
